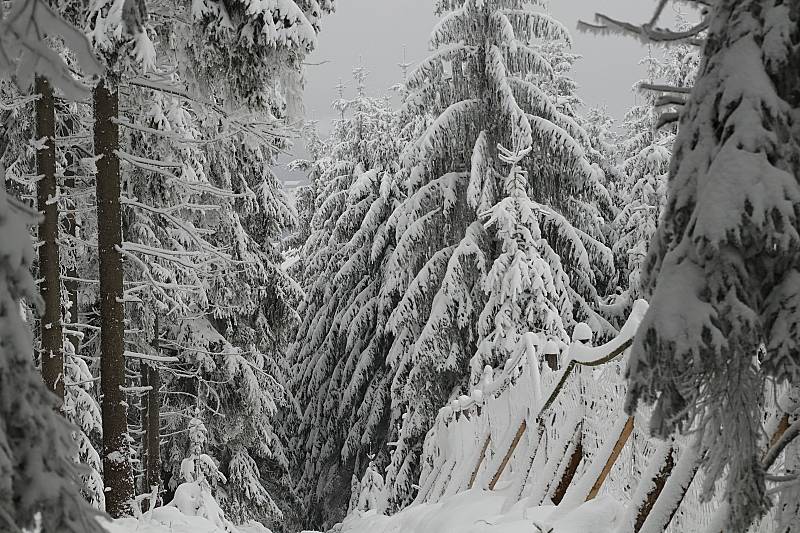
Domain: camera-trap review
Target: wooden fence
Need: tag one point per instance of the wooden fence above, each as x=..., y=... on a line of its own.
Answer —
x=564, y=436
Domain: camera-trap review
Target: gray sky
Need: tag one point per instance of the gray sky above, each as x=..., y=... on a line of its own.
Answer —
x=375, y=31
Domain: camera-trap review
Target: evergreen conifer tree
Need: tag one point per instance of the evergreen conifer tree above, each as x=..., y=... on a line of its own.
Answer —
x=488, y=83
x=342, y=381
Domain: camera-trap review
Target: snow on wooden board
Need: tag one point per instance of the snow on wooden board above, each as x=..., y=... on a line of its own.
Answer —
x=480, y=511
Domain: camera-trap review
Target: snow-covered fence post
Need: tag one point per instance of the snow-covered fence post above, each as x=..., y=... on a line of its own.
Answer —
x=517, y=437
x=572, y=465
x=675, y=488
x=480, y=461
x=612, y=458
x=528, y=346
x=658, y=483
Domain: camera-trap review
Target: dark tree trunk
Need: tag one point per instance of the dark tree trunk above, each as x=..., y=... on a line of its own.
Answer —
x=52, y=343
x=116, y=466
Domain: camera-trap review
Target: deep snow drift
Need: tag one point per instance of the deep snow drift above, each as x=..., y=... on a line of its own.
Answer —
x=480, y=511
x=193, y=510
x=172, y=520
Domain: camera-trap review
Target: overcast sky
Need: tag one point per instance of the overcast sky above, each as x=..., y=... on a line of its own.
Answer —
x=375, y=31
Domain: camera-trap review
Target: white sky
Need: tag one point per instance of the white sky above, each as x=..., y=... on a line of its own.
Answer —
x=375, y=31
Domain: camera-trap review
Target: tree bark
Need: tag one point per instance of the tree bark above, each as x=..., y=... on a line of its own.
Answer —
x=116, y=465
x=49, y=266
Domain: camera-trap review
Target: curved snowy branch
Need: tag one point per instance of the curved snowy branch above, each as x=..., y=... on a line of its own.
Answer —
x=645, y=32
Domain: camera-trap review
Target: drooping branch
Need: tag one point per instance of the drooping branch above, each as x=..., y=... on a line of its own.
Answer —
x=664, y=88
x=670, y=99
x=667, y=118
x=647, y=32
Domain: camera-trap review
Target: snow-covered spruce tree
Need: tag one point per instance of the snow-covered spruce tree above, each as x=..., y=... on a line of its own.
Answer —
x=201, y=476
x=306, y=197
x=485, y=86
x=605, y=141
x=645, y=152
x=523, y=294
x=36, y=445
x=198, y=466
x=25, y=52
x=231, y=331
x=722, y=270
x=80, y=405
x=82, y=409
x=259, y=46
x=236, y=345
x=201, y=213
x=342, y=381
x=368, y=494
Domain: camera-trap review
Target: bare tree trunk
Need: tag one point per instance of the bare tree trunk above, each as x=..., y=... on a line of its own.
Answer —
x=116, y=465
x=153, y=426
x=49, y=266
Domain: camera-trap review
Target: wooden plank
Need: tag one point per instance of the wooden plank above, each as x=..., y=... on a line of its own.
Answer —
x=424, y=491
x=615, y=451
x=783, y=425
x=658, y=485
x=443, y=489
x=480, y=461
x=683, y=490
x=572, y=467
x=527, y=474
x=509, y=453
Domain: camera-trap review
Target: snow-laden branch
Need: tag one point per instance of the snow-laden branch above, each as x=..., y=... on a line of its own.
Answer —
x=172, y=136
x=21, y=102
x=193, y=233
x=664, y=88
x=243, y=127
x=647, y=32
x=149, y=357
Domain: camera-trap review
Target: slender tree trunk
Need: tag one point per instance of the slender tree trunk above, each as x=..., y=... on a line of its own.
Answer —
x=52, y=343
x=116, y=466
x=153, y=428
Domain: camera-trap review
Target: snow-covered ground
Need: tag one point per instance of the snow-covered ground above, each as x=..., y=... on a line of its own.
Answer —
x=480, y=511
x=193, y=510
x=172, y=520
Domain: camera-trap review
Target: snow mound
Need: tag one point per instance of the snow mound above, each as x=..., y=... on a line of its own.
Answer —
x=163, y=520
x=480, y=511
x=194, y=510
x=172, y=520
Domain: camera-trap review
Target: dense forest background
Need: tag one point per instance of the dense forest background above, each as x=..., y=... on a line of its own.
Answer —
x=172, y=320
